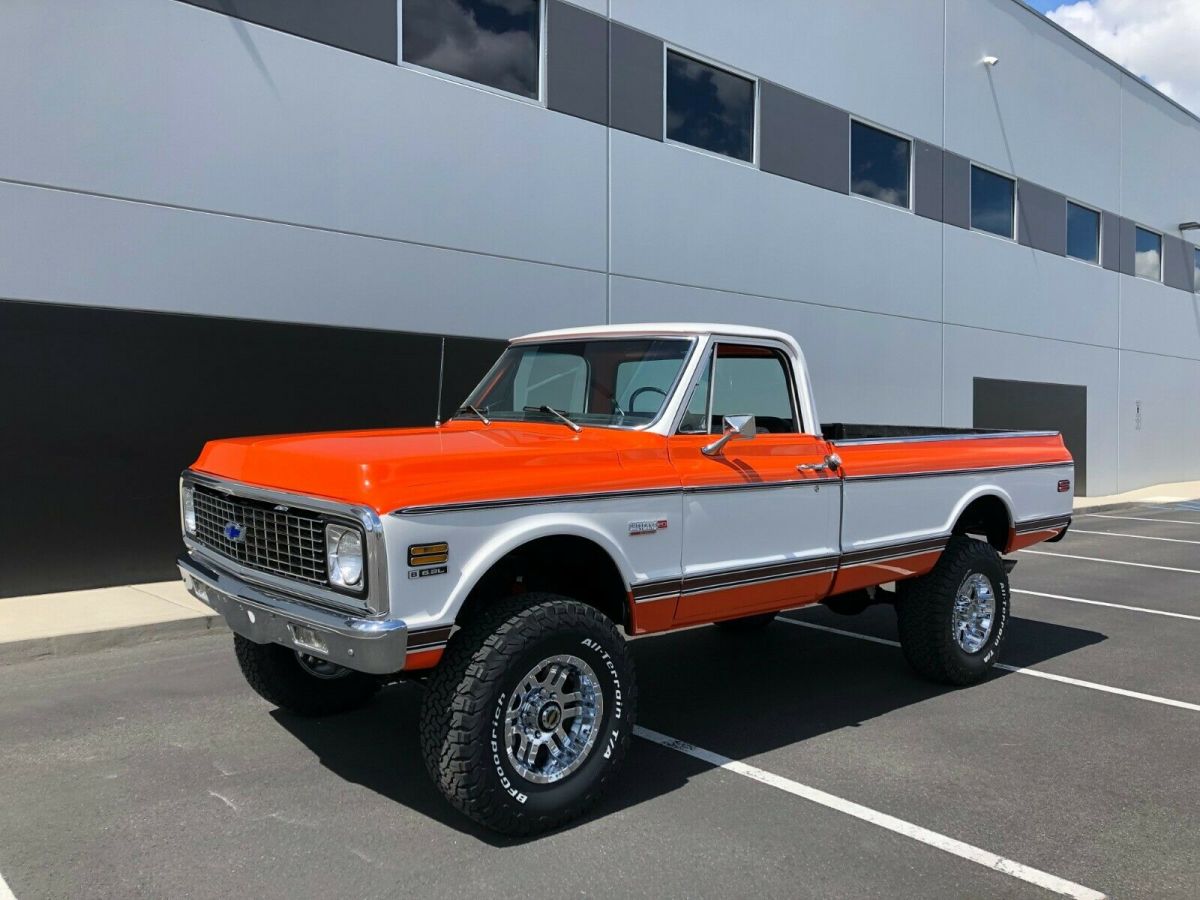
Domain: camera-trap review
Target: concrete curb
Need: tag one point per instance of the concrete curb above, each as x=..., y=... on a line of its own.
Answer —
x=104, y=639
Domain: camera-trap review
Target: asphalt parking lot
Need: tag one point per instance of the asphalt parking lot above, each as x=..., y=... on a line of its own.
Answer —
x=815, y=763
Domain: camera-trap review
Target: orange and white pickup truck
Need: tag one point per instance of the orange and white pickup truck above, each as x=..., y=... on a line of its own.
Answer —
x=633, y=478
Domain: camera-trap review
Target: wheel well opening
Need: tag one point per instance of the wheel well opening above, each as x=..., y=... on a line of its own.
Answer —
x=988, y=518
x=572, y=566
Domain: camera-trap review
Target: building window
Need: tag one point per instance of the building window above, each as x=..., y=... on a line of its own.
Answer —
x=993, y=202
x=1196, y=270
x=709, y=108
x=1083, y=233
x=880, y=164
x=490, y=42
x=1148, y=255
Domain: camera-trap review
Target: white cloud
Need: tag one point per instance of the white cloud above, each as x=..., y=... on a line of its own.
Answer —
x=1156, y=39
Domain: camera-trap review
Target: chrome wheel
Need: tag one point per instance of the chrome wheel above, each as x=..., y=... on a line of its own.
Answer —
x=551, y=720
x=320, y=668
x=974, y=612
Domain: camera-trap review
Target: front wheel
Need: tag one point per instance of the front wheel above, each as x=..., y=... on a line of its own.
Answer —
x=952, y=621
x=529, y=713
x=301, y=684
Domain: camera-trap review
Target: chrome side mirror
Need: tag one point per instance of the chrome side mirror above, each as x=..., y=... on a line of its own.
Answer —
x=736, y=428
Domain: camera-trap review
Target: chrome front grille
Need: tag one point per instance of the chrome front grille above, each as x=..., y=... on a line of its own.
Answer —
x=280, y=540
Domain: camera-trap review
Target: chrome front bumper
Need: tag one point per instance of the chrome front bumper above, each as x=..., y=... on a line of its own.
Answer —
x=377, y=646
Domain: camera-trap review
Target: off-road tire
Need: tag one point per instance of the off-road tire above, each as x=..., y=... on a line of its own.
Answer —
x=462, y=715
x=757, y=622
x=277, y=676
x=925, y=610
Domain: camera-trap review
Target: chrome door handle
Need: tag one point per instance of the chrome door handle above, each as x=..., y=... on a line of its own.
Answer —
x=832, y=462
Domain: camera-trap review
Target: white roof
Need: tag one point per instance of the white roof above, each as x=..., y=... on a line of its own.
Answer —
x=685, y=329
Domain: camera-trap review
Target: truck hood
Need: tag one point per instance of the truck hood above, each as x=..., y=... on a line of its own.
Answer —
x=459, y=462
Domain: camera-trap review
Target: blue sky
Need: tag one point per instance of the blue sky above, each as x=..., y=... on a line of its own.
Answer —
x=1156, y=39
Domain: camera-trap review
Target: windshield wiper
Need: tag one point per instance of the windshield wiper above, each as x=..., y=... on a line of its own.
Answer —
x=551, y=411
x=467, y=407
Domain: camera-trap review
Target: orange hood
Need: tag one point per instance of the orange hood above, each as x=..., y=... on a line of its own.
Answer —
x=460, y=462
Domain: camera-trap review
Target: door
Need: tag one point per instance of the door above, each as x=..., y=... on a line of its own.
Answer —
x=759, y=533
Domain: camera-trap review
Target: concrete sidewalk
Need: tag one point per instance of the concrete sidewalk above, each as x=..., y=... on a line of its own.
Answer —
x=81, y=621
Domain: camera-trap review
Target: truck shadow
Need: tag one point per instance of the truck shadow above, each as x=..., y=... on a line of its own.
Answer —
x=736, y=694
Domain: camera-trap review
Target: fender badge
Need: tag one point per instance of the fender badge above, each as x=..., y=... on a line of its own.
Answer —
x=647, y=526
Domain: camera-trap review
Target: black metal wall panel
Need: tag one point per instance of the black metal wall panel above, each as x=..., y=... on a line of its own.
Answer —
x=803, y=139
x=1178, y=265
x=956, y=190
x=1110, y=241
x=1041, y=218
x=1128, y=251
x=635, y=82
x=927, y=180
x=103, y=408
x=361, y=26
x=1037, y=406
x=576, y=62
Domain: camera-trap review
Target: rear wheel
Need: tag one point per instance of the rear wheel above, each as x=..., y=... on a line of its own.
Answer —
x=301, y=684
x=529, y=713
x=952, y=621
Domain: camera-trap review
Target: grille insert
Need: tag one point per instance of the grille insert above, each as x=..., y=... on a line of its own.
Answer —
x=290, y=544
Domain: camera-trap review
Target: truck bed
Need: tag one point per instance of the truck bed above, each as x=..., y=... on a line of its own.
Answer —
x=843, y=432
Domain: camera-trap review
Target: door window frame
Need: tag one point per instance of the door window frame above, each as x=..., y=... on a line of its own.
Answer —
x=708, y=357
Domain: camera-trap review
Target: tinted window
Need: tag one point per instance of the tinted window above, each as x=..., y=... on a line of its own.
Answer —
x=1148, y=261
x=752, y=381
x=992, y=202
x=1083, y=233
x=1196, y=273
x=879, y=164
x=709, y=108
x=493, y=42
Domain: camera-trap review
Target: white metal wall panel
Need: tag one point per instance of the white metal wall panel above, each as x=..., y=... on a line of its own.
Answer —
x=167, y=102
x=1160, y=421
x=1049, y=111
x=998, y=284
x=1159, y=319
x=691, y=218
x=74, y=248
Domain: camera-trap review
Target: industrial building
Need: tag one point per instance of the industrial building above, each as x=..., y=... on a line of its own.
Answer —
x=223, y=217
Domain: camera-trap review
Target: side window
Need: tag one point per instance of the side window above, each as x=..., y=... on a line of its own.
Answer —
x=749, y=381
x=551, y=379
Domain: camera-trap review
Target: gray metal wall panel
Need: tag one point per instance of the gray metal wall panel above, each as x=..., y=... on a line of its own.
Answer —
x=576, y=62
x=1128, y=247
x=1041, y=218
x=803, y=139
x=361, y=26
x=1110, y=241
x=956, y=190
x=635, y=86
x=1177, y=263
x=927, y=180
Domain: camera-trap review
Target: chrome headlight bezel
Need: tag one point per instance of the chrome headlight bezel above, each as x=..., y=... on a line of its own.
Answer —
x=345, y=557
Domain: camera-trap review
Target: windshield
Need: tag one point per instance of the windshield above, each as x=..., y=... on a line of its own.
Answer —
x=611, y=381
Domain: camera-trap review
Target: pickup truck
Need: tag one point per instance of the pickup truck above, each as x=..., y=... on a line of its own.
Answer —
x=631, y=478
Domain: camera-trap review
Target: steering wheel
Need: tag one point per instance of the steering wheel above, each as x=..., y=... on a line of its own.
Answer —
x=649, y=387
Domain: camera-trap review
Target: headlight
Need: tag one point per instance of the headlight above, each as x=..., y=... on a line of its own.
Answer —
x=344, y=550
x=189, y=511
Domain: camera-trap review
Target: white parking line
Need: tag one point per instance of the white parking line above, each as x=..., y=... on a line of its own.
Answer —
x=5, y=892
x=1141, y=609
x=1115, y=562
x=1091, y=685
x=1140, y=537
x=1141, y=519
x=883, y=820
